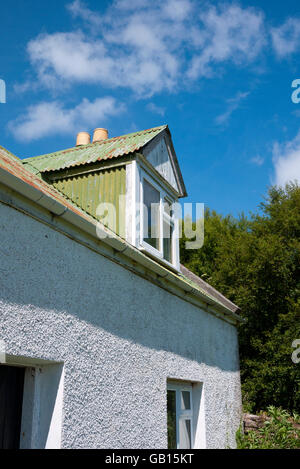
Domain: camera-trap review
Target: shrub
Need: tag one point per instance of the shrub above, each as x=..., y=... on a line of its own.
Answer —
x=279, y=431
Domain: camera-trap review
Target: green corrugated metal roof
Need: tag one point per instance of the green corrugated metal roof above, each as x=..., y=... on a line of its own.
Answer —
x=107, y=149
x=13, y=165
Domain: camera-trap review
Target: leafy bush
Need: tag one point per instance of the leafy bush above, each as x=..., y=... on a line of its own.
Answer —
x=278, y=432
x=255, y=262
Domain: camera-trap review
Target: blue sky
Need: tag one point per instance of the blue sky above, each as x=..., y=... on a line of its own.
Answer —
x=218, y=73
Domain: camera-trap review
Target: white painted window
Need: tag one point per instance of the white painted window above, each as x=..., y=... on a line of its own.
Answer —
x=159, y=226
x=180, y=416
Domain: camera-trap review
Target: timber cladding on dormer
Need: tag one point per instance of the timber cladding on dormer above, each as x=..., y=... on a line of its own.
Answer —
x=96, y=173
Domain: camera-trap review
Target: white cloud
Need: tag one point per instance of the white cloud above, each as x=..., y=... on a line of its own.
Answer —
x=147, y=47
x=79, y=10
x=233, y=105
x=286, y=38
x=62, y=58
x=156, y=109
x=231, y=34
x=286, y=159
x=51, y=118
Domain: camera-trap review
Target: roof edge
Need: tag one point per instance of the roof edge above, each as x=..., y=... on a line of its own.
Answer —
x=89, y=225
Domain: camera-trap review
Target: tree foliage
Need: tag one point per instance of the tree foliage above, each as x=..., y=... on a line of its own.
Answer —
x=255, y=262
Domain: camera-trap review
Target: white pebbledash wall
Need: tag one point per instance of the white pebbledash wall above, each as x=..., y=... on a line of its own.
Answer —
x=119, y=338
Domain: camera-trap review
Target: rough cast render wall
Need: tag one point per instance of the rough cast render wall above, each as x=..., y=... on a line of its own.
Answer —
x=119, y=336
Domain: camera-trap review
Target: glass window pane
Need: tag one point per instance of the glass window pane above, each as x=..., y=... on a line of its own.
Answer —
x=185, y=434
x=151, y=215
x=167, y=240
x=171, y=406
x=185, y=400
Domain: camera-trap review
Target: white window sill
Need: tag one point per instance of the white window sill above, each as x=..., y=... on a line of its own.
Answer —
x=160, y=260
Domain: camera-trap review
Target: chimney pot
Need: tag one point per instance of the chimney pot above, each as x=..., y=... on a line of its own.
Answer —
x=83, y=138
x=99, y=135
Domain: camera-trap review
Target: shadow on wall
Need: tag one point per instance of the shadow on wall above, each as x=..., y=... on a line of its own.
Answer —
x=58, y=281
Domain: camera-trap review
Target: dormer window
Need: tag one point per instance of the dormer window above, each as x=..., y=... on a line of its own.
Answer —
x=168, y=230
x=158, y=222
x=112, y=179
x=151, y=216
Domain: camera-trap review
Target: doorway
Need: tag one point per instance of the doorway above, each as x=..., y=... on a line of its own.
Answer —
x=11, y=399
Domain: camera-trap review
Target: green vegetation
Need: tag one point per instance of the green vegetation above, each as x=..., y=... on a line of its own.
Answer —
x=278, y=432
x=255, y=262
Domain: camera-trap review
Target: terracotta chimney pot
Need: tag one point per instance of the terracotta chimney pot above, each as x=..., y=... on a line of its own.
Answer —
x=99, y=135
x=83, y=138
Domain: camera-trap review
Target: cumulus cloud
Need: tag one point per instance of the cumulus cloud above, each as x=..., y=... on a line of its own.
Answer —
x=52, y=118
x=286, y=159
x=286, y=38
x=233, y=105
x=147, y=47
x=231, y=33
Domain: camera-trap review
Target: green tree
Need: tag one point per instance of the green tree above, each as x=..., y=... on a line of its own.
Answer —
x=255, y=262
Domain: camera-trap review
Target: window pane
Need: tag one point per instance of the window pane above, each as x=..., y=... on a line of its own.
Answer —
x=185, y=434
x=151, y=215
x=185, y=400
x=171, y=406
x=167, y=241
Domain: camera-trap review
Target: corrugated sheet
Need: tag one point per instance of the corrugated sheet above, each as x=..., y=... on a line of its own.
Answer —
x=208, y=289
x=89, y=190
x=107, y=149
x=14, y=166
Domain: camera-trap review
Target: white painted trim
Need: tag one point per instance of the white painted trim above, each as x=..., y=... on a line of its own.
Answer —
x=42, y=410
x=146, y=167
x=142, y=245
x=55, y=430
x=199, y=430
x=180, y=413
x=197, y=413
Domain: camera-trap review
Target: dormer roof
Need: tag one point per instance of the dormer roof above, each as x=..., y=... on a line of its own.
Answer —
x=109, y=149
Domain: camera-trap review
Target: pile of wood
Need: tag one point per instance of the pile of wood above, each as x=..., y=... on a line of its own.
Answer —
x=253, y=422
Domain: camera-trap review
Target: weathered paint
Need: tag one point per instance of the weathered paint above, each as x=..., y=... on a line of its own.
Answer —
x=12, y=165
x=92, y=153
x=89, y=190
x=160, y=159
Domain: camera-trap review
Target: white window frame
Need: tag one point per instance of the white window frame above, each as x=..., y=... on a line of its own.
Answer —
x=182, y=414
x=42, y=410
x=143, y=245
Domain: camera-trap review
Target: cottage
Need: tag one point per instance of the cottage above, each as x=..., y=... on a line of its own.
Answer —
x=107, y=341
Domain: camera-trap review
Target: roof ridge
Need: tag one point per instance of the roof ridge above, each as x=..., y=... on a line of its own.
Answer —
x=103, y=142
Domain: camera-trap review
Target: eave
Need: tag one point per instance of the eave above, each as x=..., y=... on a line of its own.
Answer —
x=37, y=199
